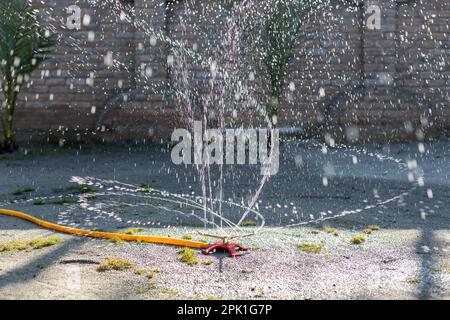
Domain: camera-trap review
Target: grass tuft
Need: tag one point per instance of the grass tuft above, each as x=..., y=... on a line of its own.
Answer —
x=63, y=201
x=330, y=230
x=83, y=188
x=19, y=192
x=117, y=241
x=28, y=245
x=117, y=264
x=249, y=223
x=188, y=256
x=139, y=271
x=170, y=292
x=59, y=201
x=358, y=239
x=130, y=230
x=147, y=288
x=145, y=188
x=371, y=228
x=311, y=247
x=208, y=262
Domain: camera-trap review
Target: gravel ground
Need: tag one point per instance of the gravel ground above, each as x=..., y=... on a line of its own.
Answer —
x=405, y=192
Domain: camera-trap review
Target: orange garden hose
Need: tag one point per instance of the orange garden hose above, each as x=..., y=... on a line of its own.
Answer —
x=105, y=235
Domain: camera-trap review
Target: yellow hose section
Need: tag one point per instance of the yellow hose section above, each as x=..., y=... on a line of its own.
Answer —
x=105, y=235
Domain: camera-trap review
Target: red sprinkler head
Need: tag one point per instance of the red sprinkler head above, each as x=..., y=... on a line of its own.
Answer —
x=232, y=248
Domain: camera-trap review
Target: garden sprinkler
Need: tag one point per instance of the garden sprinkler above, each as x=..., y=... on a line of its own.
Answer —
x=226, y=244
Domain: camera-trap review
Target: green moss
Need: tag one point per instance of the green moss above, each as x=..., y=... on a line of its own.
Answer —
x=147, y=288
x=249, y=223
x=130, y=230
x=117, y=264
x=40, y=266
x=211, y=298
x=139, y=271
x=19, y=192
x=187, y=237
x=117, y=241
x=171, y=292
x=59, y=201
x=261, y=292
x=149, y=274
x=83, y=188
x=208, y=262
x=358, y=240
x=373, y=227
x=330, y=230
x=144, y=187
x=188, y=256
x=62, y=201
x=311, y=247
x=28, y=245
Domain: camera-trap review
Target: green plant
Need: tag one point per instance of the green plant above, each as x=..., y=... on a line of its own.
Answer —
x=249, y=223
x=28, y=245
x=83, y=188
x=130, y=230
x=24, y=45
x=358, y=239
x=188, y=256
x=143, y=187
x=330, y=230
x=371, y=228
x=117, y=241
x=311, y=247
x=207, y=262
x=19, y=192
x=117, y=264
x=147, y=288
x=276, y=37
x=171, y=292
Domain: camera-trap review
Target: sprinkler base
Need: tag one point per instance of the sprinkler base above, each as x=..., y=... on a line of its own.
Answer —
x=232, y=248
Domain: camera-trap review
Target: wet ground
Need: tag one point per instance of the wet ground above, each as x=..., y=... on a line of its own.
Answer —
x=403, y=189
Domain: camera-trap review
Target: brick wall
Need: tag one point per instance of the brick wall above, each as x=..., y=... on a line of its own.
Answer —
x=350, y=82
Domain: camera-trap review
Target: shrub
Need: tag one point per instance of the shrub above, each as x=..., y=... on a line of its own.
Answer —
x=24, y=45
